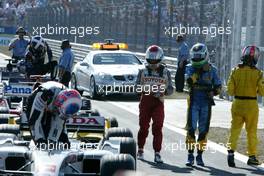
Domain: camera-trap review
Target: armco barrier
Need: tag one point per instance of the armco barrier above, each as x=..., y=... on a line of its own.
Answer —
x=81, y=50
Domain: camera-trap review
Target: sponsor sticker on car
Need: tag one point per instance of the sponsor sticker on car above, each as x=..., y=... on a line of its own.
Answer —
x=18, y=90
x=86, y=121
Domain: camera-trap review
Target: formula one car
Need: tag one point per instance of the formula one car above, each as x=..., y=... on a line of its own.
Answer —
x=15, y=119
x=96, y=149
x=14, y=90
x=117, y=151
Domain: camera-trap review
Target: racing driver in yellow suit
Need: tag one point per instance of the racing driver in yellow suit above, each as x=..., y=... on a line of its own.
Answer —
x=245, y=83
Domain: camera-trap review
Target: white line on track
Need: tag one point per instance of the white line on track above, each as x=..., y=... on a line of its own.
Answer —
x=211, y=144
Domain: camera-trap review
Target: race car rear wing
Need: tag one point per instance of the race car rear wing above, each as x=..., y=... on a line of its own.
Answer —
x=86, y=123
x=20, y=86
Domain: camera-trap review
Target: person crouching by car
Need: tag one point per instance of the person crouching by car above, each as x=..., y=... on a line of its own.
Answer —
x=152, y=103
x=48, y=108
x=65, y=63
x=35, y=58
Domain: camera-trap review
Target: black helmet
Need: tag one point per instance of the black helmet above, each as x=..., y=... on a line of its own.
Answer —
x=20, y=30
x=65, y=44
x=179, y=38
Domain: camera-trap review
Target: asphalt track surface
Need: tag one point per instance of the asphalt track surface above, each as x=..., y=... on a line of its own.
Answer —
x=215, y=162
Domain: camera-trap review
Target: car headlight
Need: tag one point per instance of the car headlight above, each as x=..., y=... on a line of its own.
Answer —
x=105, y=77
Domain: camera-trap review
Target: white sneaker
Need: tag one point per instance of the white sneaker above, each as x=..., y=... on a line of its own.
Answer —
x=157, y=158
x=140, y=155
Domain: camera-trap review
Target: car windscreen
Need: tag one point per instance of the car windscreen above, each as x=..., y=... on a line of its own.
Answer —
x=115, y=58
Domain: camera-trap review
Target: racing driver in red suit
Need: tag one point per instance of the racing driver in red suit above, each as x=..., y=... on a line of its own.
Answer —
x=155, y=82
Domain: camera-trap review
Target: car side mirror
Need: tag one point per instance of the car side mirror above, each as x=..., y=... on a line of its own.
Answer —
x=84, y=64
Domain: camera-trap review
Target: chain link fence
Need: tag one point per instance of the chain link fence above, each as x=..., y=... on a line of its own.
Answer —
x=139, y=23
x=142, y=23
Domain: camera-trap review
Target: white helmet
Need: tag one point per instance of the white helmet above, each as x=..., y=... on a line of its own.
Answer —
x=250, y=55
x=154, y=54
x=37, y=43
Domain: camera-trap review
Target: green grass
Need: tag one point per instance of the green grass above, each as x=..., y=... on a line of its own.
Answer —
x=6, y=35
x=4, y=50
x=221, y=135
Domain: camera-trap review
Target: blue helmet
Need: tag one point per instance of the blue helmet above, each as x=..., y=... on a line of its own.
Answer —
x=199, y=55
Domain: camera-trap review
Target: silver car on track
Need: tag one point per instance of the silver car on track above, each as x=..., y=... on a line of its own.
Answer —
x=104, y=72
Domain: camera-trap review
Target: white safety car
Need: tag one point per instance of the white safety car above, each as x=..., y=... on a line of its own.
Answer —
x=106, y=70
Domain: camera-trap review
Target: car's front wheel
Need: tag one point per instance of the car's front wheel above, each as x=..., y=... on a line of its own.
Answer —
x=93, y=91
x=111, y=164
x=74, y=84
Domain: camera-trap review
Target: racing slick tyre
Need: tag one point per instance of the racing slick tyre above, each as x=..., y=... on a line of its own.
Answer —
x=9, y=67
x=110, y=164
x=95, y=113
x=118, y=132
x=128, y=146
x=93, y=91
x=113, y=122
x=4, y=110
x=4, y=118
x=7, y=128
x=74, y=84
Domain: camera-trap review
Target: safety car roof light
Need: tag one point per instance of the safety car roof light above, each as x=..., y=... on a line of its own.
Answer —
x=109, y=45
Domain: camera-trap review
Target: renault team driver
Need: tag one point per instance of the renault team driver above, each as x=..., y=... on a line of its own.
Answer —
x=204, y=84
x=152, y=103
x=245, y=83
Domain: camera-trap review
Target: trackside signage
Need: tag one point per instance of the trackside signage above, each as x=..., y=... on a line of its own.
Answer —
x=18, y=90
x=4, y=41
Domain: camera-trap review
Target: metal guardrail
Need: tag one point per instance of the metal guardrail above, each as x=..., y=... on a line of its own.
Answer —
x=81, y=50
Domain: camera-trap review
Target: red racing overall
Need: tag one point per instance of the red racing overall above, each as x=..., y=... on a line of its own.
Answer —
x=152, y=103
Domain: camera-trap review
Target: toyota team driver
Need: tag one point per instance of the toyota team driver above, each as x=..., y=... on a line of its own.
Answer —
x=49, y=106
x=34, y=63
x=154, y=76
